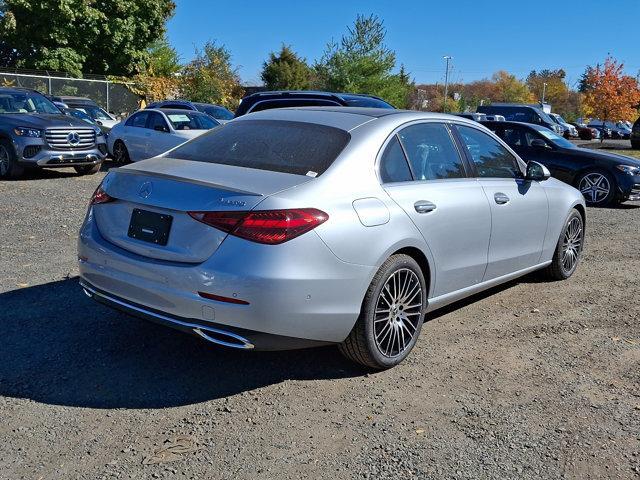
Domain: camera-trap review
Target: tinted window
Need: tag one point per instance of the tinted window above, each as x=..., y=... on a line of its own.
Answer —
x=393, y=164
x=365, y=102
x=513, y=137
x=220, y=113
x=138, y=120
x=432, y=154
x=291, y=102
x=279, y=146
x=156, y=121
x=491, y=158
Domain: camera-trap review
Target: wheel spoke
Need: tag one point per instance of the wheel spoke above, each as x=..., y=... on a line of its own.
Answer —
x=398, y=312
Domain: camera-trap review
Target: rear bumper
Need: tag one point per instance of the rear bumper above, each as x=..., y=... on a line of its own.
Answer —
x=298, y=290
x=217, y=334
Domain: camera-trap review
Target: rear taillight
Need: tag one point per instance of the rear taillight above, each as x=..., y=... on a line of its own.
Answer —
x=264, y=226
x=100, y=196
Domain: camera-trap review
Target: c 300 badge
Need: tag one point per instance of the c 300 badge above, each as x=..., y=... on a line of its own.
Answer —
x=232, y=203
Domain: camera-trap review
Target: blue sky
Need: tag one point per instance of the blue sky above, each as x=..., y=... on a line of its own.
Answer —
x=482, y=36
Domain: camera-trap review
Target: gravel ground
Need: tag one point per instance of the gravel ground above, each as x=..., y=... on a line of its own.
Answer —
x=530, y=380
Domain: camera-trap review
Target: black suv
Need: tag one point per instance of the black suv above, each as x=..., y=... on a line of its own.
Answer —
x=635, y=134
x=302, y=98
x=518, y=112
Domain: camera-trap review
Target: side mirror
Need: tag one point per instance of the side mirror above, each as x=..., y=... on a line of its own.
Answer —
x=536, y=171
x=160, y=128
x=538, y=143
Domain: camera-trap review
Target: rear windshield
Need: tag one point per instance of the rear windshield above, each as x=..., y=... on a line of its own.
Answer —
x=275, y=145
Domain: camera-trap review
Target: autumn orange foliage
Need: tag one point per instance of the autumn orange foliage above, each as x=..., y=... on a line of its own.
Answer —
x=609, y=93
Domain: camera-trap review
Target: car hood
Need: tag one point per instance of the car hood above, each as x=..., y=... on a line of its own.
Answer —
x=40, y=120
x=612, y=158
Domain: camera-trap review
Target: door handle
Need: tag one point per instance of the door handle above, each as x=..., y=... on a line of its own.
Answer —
x=500, y=198
x=424, y=206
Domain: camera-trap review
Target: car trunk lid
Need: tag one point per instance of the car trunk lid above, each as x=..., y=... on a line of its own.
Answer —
x=172, y=188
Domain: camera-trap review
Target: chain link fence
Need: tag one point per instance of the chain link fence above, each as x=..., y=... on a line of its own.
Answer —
x=113, y=97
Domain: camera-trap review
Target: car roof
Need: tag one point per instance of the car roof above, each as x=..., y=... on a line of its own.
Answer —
x=310, y=92
x=348, y=118
x=18, y=89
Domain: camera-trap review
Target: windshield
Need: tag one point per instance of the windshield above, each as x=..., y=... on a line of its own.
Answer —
x=26, y=102
x=220, y=113
x=95, y=112
x=78, y=114
x=191, y=121
x=556, y=139
x=279, y=146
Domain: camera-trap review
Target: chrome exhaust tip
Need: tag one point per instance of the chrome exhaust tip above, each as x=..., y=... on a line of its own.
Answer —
x=229, y=339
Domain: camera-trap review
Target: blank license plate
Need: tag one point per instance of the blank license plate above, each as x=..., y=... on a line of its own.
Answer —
x=150, y=227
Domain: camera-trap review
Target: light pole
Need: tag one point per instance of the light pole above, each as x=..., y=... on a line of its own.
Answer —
x=544, y=90
x=446, y=83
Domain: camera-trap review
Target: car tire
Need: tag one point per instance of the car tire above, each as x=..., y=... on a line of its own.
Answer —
x=88, y=169
x=598, y=188
x=391, y=316
x=635, y=145
x=9, y=167
x=568, y=250
x=120, y=153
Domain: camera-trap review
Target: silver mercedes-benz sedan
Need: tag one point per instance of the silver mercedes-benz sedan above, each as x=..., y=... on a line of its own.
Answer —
x=297, y=227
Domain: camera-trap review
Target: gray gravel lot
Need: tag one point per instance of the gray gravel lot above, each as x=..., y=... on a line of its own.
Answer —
x=531, y=380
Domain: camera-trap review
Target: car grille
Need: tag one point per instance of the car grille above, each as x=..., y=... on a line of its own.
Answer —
x=70, y=138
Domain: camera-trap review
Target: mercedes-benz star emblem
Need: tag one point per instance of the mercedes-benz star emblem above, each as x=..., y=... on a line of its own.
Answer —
x=73, y=138
x=145, y=189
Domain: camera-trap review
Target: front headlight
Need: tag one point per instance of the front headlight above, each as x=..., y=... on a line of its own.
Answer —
x=27, y=132
x=628, y=169
x=98, y=131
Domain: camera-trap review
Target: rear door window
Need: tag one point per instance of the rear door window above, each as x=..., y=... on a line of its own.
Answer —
x=138, y=120
x=157, y=122
x=431, y=152
x=280, y=146
x=393, y=164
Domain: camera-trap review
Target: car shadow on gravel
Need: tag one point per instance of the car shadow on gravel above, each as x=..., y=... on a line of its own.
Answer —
x=60, y=347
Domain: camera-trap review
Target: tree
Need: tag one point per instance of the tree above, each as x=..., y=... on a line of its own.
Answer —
x=609, y=94
x=210, y=78
x=510, y=89
x=164, y=60
x=286, y=71
x=80, y=36
x=362, y=63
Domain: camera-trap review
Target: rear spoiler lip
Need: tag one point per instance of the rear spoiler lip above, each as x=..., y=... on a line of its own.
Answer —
x=132, y=171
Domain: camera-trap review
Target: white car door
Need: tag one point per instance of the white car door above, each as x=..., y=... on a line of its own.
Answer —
x=160, y=136
x=134, y=135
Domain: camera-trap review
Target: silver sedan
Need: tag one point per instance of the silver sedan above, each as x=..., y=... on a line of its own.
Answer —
x=298, y=227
